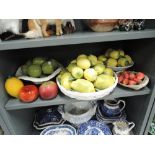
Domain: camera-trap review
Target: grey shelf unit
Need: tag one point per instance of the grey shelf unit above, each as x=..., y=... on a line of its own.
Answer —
x=18, y=117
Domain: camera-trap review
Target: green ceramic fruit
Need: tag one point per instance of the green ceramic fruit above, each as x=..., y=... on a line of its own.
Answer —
x=47, y=68
x=114, y=54
x=38, y=60
x=24, y=69
x=34, y=71
x=129, y=59
x=122, y=62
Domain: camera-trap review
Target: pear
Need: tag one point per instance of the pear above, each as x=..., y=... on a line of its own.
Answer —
x=90, y=74
x=99, y=68
x=112, y=62
x=83, y=86
x=129, y=59
x=77, y=72
x=104, y=81
x=99, y=62
x=92, y=59
x=108, y=71
x=122, y=62
x=82, y=56
x=83, y=63
x=102, y=58
x=71, y=66
x=121, y=53
x=114, y=54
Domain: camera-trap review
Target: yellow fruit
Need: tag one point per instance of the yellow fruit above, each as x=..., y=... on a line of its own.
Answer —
x=122, y=62
x=13, y=85
x=83, y=63
x=99, y=68
x=92, y=59
x=82, y=56
x=77, y=72
x=71, y=66
x=107, y=53
x=90, y=74
x=121, y=53
x=129, y=59
x=108, y=71
x=73, y=61
x=114, y=54
x=112, y=62
x=102, y=58
x=99, y=62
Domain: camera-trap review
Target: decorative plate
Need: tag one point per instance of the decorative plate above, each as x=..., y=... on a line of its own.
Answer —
x=118, y=69
x=46, y=117
x=59, y=130
x=40, y=80
x=144, y=82
x=94, y=128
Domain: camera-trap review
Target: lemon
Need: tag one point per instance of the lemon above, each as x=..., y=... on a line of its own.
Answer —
x=83, y=63
x=82, y=56
x=112, y=62
x=90, y=74
x=92, y=59
x=13, y=85
x=77, y=72
x=71, y=66
x=109, y=71
x=114, y=54
x=102, y=58
x=99, y=68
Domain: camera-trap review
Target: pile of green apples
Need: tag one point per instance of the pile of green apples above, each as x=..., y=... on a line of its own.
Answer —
x=116, y=58
x=86, y=74
x=39, y=67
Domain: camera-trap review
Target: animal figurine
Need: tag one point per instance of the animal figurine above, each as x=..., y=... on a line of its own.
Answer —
x=38, y=27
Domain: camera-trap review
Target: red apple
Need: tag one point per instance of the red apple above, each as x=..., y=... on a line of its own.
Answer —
x=48, y=90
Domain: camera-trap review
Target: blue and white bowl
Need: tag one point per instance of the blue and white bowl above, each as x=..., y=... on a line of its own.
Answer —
x=94, y=128
x=59, y=130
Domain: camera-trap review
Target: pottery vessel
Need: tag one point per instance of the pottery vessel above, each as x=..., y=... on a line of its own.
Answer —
x=122, y=127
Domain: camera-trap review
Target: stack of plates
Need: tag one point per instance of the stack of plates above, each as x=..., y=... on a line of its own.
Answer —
x=103, y=118
x=45, y=117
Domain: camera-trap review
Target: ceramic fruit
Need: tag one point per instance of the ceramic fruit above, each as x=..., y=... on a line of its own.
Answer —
x=90, y=74
x=38, y=60
x=34, y=71
x=102, y=25
x=47, y=68
x=48, y=90
x=28, y=93
x=112, y=107
x=122, y=127
x=13, y=86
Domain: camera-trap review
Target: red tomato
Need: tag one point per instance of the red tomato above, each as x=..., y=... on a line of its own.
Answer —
x=131, y=82
x=125, y=81
x=120, y=78
x=132, y=76
x=140, y=75
x=28, y=93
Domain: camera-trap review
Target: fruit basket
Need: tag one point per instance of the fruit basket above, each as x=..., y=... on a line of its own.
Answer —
x=143, y=82
x=87, y=96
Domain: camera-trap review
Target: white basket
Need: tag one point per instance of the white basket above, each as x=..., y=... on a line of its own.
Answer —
x=40, y=80
x=118, y=69
x=88, y=96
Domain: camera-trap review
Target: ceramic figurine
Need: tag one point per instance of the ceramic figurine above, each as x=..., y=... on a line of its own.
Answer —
x=125, y=24
x=139, y=24
x=122, y=127
x=112, y=107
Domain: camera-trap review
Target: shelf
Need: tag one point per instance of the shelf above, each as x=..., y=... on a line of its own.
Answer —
x=15, y=104
x=76, y=38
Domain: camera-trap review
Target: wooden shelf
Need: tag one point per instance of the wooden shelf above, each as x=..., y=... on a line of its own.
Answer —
x=76, y=38
x=15, y=104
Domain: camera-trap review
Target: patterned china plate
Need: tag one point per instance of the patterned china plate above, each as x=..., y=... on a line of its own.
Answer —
x=59, y=130
x=94, y=128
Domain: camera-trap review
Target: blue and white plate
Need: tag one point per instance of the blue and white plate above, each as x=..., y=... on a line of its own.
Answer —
x=59, y=130
x=94, y=128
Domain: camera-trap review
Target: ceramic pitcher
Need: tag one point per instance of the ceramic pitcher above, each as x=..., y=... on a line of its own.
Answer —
x=112, y=107
x=122, y=127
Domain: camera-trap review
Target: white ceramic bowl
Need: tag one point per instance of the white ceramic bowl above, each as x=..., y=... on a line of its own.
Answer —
x=78, y=112
x=40, y=80
x=118, y=69
x=88, y=96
